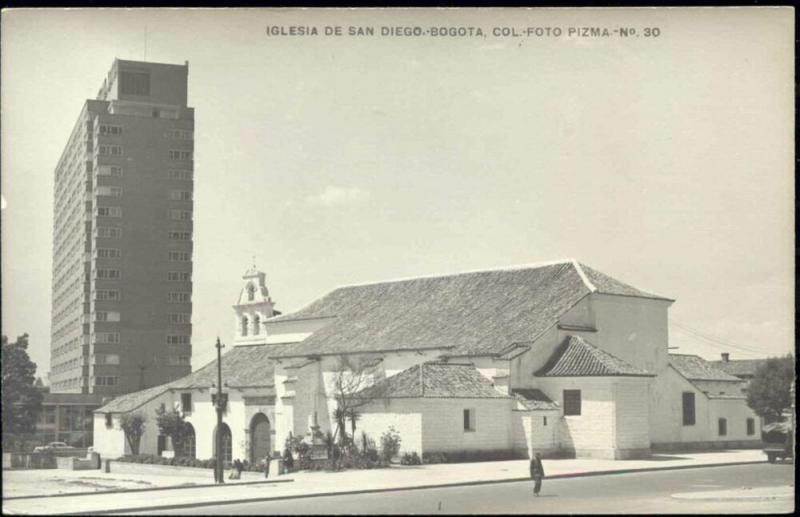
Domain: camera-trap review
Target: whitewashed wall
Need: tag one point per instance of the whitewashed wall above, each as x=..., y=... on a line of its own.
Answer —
x=590, y=434
x=536, y=431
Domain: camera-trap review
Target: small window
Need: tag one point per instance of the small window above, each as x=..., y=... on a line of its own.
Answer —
x=751, y=426
x=109, y=420
x=572, y=402
x=244, y=326
x=544, y=421
x=722, y=426
x=688, y=408
x=186, y=402
x=256, y=324
x=469, y=420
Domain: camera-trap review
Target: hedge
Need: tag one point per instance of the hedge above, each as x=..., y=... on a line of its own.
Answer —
x=472, y=456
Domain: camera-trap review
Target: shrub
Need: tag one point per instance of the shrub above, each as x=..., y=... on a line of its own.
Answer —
x=410, y=459
x=390, y=444
x=472, y=456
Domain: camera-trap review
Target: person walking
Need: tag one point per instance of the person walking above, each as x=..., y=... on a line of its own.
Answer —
x=537, y=473
x=267, y=461
x=288, y=461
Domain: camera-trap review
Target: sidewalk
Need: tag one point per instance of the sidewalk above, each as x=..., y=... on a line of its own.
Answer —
x=307, y=484
x=741, y=494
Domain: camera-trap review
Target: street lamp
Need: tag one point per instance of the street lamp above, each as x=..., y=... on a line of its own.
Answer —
x=220, y=400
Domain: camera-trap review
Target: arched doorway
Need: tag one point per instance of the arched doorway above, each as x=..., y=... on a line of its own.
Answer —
x=227, y=443
x=189, y=445
x=260, y=438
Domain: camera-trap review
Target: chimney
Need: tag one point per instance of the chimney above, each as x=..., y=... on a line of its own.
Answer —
x=725, y=357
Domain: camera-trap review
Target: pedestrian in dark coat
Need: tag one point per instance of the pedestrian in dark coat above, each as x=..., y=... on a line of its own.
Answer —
x=267, y=461
x=537, y=473
x=288, y=461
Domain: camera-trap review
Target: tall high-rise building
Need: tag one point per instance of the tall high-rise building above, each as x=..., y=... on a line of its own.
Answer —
x=122, y=236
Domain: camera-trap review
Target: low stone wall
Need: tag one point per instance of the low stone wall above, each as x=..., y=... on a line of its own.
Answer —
x=28, y=460
x=171, y=470
x=91, y=462
x=698, y=446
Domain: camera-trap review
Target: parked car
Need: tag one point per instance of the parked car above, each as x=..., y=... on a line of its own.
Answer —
x=55, y=447
x=777, y=438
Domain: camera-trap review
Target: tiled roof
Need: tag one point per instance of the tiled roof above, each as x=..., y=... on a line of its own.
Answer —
x=436, y=380
x=739, y=366
x=242, y=367
x=478, y=313
x=131, y=401
x=726, y=396
x=534, y=399
x=576, y=357
x=695, y=368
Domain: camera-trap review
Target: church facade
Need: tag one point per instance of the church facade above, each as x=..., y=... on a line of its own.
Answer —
x=556, y=358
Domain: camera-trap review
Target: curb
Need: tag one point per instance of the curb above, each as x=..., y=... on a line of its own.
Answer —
x=398, y=489
x=732, y=498
x=147, y=489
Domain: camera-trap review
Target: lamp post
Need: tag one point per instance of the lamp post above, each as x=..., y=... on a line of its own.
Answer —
x=219, y=399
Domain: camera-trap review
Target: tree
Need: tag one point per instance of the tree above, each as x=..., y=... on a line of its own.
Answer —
x=133, y=426
x=768, y=393
x=171, y=423
x=350, y=379
x=22, y=401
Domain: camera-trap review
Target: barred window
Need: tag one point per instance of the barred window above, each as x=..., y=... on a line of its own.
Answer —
x=109, y=170
x=180, y=215
x=110, y=130
x=178, y=174
x=108, y=253
x=107, y=295
x=180, y=256
x=109, y=150
x=180, y=195
x=180, y=318
x=180, y=236
x=109, y=211
x=173, y=339
x=107, y=338
x=105, y=232
x=179, y=297
x=179, y=276
x=109, y=274
x=180, y=154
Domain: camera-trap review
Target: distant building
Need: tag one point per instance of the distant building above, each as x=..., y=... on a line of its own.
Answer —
x=67, y=417
x=744, y=369
x=556, y=358
x=122, y=245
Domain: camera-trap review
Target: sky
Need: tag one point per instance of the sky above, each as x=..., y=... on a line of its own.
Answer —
x=665, y=162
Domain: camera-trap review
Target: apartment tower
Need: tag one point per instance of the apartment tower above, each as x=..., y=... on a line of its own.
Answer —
x=122, y=236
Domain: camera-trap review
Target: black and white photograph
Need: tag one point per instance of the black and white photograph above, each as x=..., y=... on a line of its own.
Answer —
x=264, y=261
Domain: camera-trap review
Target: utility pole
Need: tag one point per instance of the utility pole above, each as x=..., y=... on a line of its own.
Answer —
x=220, y=400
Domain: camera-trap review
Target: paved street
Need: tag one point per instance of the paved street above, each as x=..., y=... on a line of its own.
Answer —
x=646, y=492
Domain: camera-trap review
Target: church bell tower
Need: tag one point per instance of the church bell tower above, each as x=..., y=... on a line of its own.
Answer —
x=253, y=307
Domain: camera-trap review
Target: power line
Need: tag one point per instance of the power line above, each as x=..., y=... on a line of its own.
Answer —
x=712, y=341
x=705, y=342
x=717, y=343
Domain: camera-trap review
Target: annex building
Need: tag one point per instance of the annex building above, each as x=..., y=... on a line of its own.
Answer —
x=557, y=358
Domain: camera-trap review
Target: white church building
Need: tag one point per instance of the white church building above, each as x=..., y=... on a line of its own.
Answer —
x=556, y=358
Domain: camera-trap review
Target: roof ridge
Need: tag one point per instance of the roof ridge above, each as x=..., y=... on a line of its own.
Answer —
x=515, y=267
x=579, y=268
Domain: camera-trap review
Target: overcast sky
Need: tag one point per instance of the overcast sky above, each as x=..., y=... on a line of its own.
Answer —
x=665, y=162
